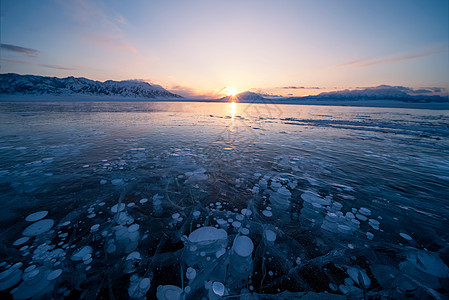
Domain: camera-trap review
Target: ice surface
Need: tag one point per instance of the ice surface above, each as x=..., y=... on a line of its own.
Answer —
x=326, y=214
x=39, y=227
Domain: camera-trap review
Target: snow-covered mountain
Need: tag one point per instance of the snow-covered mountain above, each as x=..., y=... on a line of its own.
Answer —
x=245, y=96
x=381, y=92
x=14, y=84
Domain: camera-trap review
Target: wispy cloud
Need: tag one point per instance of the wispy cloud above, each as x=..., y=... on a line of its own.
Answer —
x=21, y=50
x=300, y=88
x=115, y=42
x=363, y=63
x=51, y=66
x=99, y=24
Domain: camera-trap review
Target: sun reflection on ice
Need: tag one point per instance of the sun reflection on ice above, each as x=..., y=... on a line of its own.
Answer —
x=233, y=109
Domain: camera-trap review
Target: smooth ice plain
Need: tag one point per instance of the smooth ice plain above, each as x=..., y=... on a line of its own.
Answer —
x=221, y=201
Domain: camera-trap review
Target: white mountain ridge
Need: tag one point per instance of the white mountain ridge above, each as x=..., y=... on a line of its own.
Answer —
x=15, y=84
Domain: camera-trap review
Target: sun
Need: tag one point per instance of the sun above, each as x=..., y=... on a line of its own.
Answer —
x=230, y=91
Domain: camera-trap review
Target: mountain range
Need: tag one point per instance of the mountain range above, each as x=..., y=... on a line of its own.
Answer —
x=381, y=92
x=14, y=84
x=33, y=85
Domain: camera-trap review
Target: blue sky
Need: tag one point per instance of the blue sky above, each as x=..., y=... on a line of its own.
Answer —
x=203, y=47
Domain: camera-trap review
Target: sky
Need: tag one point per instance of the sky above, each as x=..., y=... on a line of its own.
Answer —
x=206, y=48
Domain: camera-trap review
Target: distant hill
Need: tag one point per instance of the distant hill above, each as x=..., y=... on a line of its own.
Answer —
x=245, y=96
x=14, y=84
x=381, y=92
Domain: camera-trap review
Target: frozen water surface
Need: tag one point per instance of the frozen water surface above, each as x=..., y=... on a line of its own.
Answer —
x=195, y=200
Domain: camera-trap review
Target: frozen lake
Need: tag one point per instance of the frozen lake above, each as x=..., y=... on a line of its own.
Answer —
x=218, y=200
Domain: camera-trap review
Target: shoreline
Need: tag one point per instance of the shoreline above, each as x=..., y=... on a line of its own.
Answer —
x=350, y=103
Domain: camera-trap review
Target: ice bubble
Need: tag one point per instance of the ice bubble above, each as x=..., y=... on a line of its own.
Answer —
x=39, y=227
x=95, y=227
x=361, y=217
x=350, y=215
x=243, y=246
x=175, y=216
x=207, y=234
x=33, y=287
x=337, y=205
x=269, y=235
x=298, y=260
x=54, y=274
x=312, y=197
x=87, y=256
x=36, y=216
x=244, y=231
x=131, y=204
x=239, y=217
x=86, y=166
x=196, y=214
x=369, y=235
x=144, y=200
x=406, y=236
x=344, y=228
x=111, y=248
x=133, y=255
x=133, y=228
x=246, y=212
x=218, y=288
x=267, y=213
x=190, y=273
x=77, y=256
x=257, y=175
x=29, y=268
x=21, y=241
x=10, y=277
x=103, y=181
x=144, y=283
x=64, y=224
x=118, y=207
x=117, y=182
x=168, y=292
x=343, y=289
x=222, y=223
x=355, y=274
x=365, y=211
x=428, y=262
x=220, y=252
x=236, y=224
x=374, y=224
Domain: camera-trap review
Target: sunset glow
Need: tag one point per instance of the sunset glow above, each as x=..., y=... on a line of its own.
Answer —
x=229, y=91
x=288, y=48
